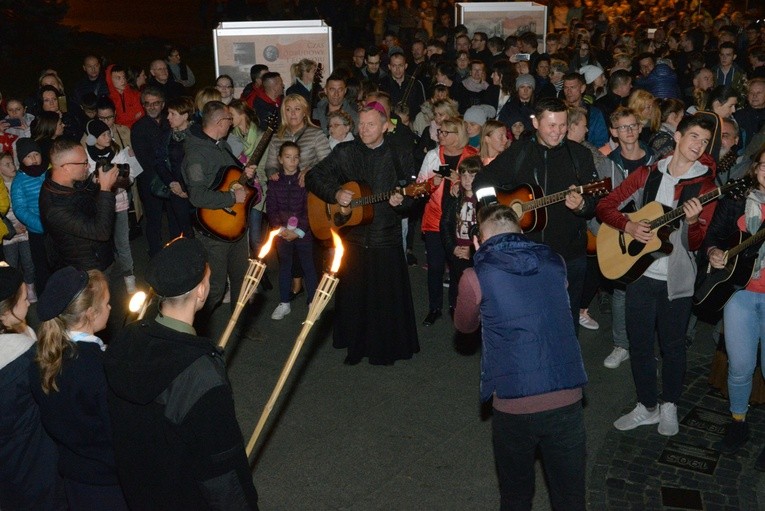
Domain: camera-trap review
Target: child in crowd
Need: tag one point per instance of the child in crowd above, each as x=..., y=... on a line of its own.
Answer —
x=28, y=475
x=70, y=386
x=458, y=216
x=16, y=249
x=287, y=208
x=25, y=196
x=99, y=147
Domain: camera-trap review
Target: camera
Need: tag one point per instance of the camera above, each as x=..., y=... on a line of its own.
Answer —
x=13, y=122
x=123, y=172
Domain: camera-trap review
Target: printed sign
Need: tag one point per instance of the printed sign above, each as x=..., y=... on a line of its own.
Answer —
x=504, y=18
x=707, y=420
x=690, y=457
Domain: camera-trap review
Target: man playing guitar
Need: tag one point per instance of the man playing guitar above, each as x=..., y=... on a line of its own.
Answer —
x=660, y=301
x=206, y=153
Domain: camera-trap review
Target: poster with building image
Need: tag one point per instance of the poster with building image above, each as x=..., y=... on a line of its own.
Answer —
x=277, y=44
x=504, y=18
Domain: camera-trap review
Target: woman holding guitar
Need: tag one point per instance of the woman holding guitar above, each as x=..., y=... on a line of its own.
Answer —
x=744, y=314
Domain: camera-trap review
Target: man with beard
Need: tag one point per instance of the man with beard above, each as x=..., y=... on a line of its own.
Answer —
x=335, y=90
x=374, y=312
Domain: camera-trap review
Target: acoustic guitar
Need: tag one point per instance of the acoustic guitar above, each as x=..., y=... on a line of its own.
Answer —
x=230, y=224
x=529, y=202
x=719, y=284
x=323, y=216
x=621, y=257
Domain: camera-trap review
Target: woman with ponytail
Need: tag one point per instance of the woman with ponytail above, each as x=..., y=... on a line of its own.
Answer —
x=71, y=386
x=28, y=475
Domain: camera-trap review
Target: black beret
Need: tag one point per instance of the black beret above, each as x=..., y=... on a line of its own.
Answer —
x=10, y=281
x=178, y=268
x=62, y=287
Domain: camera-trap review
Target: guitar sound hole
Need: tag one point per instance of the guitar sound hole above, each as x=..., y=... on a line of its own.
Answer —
x=635, y=247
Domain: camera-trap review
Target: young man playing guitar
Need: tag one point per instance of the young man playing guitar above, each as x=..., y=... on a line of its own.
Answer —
x=207, y=152
x=553, y=163
x=660, y=301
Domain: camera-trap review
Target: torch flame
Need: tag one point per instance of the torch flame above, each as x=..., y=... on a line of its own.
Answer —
x=267, y=245
x=137, y=301
x=338, y=252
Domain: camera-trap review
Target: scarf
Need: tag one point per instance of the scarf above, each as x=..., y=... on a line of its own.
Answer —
x=753, y=219
x=474, y=86
x=96, y=154
x=250, y=140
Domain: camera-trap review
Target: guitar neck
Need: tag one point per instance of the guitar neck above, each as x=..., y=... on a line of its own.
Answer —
x=679, y=213
x=371, y=199
x=547, y=200
x=752, y=240
x=257, y=154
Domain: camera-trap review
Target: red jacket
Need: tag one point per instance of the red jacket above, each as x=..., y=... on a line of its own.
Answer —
x=633, y=188
x=128, y=108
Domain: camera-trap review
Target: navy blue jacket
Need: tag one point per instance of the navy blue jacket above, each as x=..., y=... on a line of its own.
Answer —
x=529, y=344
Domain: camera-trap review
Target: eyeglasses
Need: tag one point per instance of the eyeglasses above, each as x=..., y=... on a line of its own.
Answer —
x=628, y=127
x=105, y=117
x=153, y=104
x=84, y=163
x=444, y=132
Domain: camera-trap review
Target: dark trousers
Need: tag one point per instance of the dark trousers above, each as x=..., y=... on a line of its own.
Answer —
x=152, y=212
x=457, y=267
x=436, y=267
x=576, y=269
x=649, y=312
x=179, y=217
x=85, y=497
x=561, y=438
x=40, y=260
x=302, y=250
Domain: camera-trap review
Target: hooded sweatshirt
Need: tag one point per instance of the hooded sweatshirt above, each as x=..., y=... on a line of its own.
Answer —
x=127, y=103
x=177, y=442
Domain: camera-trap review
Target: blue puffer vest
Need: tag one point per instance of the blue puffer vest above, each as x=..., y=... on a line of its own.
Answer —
x=529, y=344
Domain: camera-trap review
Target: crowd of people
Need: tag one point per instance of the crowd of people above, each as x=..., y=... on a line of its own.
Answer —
x=665, y=102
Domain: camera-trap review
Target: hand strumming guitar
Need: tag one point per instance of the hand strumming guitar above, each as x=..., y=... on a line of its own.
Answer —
x=641, y=231
x=344, y=198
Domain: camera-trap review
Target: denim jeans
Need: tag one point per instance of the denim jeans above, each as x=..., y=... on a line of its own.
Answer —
x=561, y=438
x=287, y=250
x=744, y=328
x=436, y=256
x=255, y=231
x=19, y=256
x=618, y=321
x=650, y=312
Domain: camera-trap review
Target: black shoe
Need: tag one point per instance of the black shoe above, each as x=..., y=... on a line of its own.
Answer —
x=760, y=463
x=295, y=295
x=411, y=259
x=735, y=437
x=432, y=317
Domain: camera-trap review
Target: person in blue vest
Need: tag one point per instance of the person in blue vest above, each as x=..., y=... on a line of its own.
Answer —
x=531, y=367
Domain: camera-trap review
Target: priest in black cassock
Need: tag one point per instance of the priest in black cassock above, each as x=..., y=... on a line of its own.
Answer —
x=374, y=313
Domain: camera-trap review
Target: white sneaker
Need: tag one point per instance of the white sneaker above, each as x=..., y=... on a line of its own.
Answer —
x=668, y=425
x=130, y=284
x=640, y=416
x=617, y=356
x=281, y=310
x=586, y=321
x=31, y=295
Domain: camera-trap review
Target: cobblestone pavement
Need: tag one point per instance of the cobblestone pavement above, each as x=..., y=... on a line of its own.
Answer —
x=627, y=472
